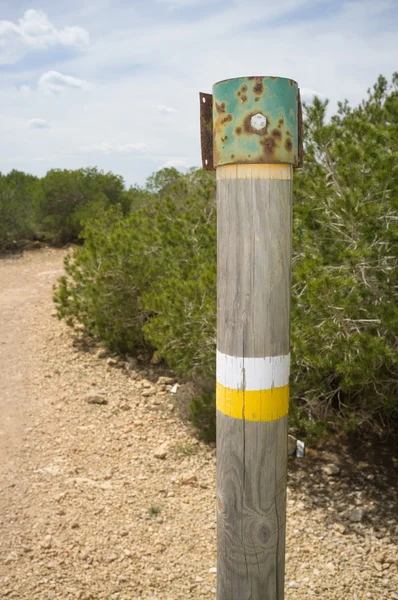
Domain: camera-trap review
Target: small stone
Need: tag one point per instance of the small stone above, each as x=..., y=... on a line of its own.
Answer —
x=165, y=381
x=170, y=407
x=213, y=570
x=132, y=361
x=293, y=584
x=111, y=362
x=331, y=470
x=156, y=359
x=356, y=515
x=101, y=353
x=331, y=567
x=46, y=543
x=12, y=556
x=147, y=393
x=95, y=398
x=189, y=477
x=339, y=527
x=161, y=452
x=111, y=557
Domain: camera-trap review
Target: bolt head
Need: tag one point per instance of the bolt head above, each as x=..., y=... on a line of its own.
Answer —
x=258, y=122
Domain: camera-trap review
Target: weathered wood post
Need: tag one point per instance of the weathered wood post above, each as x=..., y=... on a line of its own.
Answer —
x=253, y=128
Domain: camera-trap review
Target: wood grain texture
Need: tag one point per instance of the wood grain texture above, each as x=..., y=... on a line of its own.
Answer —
x=251, y=508
x=254, y=266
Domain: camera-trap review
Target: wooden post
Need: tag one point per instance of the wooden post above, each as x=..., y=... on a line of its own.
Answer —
x=254, y=257
x=255, y=121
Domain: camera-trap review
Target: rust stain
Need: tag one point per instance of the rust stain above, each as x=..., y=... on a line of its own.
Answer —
x=258, y=87
x=256, y=99
x=276, y=133
x=268, y=144
x=243, y=99
x=289, y=145
x=226, y=119
x=238, y=130
x=220, y=108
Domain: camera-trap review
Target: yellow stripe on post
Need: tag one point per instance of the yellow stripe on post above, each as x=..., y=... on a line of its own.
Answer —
x=253, y=405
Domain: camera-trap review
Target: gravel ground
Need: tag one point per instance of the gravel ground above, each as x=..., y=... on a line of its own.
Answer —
x=105, y=493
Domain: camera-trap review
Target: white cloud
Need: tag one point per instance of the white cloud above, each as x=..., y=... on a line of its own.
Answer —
x=107, y=148
x=54, y=82
x=25, y=89
x=172, y=4
x=166, y=110
x=35, y=30
x=307, y=94
x=38, y=124
x=175, y=162
x=132, y=147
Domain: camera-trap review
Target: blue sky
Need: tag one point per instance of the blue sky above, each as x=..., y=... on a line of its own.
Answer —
x=115, y=83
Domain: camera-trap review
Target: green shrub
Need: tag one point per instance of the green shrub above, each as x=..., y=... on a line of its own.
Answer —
x=70, y=198
x=103, y=283
x=19, y=197
x=344, y=314
x=203, y=414
x=150, y=278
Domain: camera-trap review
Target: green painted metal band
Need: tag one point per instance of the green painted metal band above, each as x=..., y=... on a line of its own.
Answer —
x=256, y=120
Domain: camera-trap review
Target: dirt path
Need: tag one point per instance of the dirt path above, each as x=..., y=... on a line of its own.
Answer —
x=106, y=494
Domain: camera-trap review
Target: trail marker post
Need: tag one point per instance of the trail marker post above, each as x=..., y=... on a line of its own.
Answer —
x=251, y=135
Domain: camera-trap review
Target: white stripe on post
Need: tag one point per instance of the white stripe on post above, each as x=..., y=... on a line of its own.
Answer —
x=261, y=373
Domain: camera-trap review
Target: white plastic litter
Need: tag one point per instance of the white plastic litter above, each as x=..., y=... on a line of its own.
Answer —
x=300, y=449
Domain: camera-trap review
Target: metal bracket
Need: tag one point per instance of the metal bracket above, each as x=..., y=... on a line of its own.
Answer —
x=300, y=161
x=206, y=130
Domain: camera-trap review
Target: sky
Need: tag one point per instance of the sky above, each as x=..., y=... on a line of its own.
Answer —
x=115, y=83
